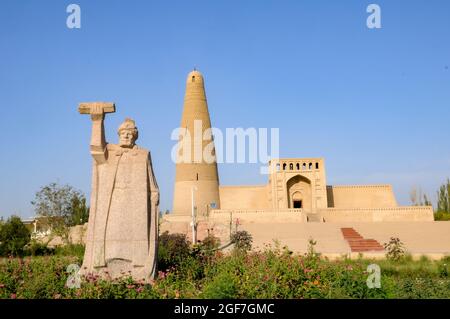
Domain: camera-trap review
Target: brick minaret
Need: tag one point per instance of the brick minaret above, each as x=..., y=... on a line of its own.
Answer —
x=195, y=170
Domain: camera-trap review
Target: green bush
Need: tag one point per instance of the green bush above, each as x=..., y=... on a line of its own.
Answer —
x=274, y=272
x=209, y=243
x=205, y=249
x=443, y=270
x=441, y=216
x=46, y=278
x=242, y=240
x=14, y=236
x=223, y=286
x=70, y=250
x=172, y=250
x=35, y=248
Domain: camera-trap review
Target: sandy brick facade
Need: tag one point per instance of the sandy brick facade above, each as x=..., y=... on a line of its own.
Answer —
x=296, y=195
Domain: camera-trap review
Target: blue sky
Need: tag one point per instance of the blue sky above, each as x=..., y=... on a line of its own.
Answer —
x=374, y=103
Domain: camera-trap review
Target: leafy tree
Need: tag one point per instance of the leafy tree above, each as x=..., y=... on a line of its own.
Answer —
x=14, y=236
x=80, y=211
x=60, y=206
x=443, y=203
x=442, y=211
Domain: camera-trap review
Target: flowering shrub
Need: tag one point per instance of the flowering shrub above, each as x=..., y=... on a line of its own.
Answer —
x=274, y=272
x=172, y=250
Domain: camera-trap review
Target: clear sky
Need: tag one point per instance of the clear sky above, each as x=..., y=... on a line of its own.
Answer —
x=375, y=103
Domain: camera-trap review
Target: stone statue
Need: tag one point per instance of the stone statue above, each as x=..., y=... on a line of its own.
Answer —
x=123, y=220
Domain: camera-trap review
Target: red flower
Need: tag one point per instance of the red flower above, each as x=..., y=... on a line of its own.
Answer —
x=161, y=274
x=13, y=296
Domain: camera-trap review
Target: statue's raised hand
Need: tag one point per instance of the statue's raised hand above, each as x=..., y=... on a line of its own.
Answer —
x=97, y=113
x=97, y=110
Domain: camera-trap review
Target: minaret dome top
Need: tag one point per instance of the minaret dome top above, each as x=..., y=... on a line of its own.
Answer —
x=194, y=76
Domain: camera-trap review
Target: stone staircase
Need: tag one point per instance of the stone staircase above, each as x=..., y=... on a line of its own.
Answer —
x=358, y=244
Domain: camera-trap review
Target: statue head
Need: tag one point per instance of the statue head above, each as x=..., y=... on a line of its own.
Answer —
x=128, y=133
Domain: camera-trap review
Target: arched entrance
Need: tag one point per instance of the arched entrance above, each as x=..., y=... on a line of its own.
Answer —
x=297, y=200
x=299, y=193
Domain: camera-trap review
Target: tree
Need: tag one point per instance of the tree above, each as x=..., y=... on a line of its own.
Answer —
x=426, y=201
x=60, y=206
x=443, y=202
x=395, y=249
x=14, y=236
x=80, y=211
x=418, y=198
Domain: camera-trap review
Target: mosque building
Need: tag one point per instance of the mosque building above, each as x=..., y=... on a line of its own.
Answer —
x=296, y=203
x=298, y=185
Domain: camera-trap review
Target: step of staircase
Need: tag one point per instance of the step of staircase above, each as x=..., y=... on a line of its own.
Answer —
x=358, y=243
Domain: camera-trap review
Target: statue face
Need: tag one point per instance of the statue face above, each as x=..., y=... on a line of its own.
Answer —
x=126, y=138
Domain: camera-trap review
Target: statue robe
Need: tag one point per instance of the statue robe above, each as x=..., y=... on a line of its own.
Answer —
x=123, y=218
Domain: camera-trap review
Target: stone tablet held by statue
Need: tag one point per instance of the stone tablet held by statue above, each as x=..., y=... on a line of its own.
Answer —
x=123, y=219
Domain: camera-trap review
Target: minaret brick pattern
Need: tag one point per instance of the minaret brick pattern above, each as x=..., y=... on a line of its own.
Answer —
x=196, y=170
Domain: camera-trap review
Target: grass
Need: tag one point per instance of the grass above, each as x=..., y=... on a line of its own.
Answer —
x=272, y=273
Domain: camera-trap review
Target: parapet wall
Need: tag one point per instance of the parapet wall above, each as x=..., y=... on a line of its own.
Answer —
x=388, y=214
x=244, y=197
x=266, y=215
x=368, y=196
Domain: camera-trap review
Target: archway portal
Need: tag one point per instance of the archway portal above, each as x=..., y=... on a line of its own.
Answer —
x=297, y=200
x=299, y=193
